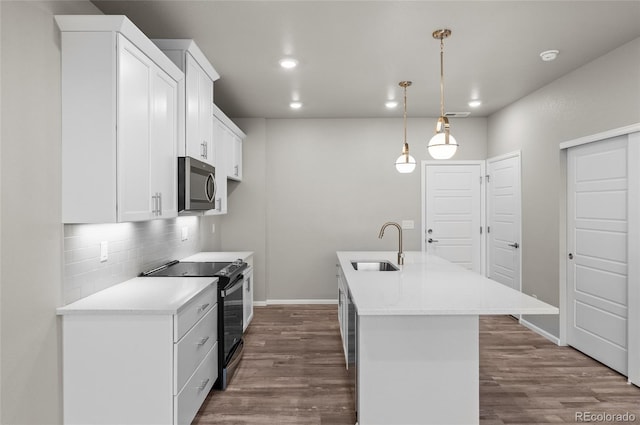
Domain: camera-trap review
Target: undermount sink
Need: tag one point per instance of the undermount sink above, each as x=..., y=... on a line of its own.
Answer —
x=377, y=266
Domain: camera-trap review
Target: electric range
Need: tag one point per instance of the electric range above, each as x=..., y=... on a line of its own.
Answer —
x=230, y=307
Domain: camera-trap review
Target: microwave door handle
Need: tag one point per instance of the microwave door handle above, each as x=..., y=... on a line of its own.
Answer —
x=210, y=181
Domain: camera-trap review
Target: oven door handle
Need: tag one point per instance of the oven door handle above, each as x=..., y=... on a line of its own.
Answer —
x=234, y=288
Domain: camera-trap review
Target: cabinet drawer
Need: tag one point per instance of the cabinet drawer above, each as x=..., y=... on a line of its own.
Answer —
x=193, y=312
x=187, y=403
x=194, y=346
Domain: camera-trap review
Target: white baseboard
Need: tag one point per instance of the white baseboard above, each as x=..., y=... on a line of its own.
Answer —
x=540, y=331
x=259, y=303
x=315, y=301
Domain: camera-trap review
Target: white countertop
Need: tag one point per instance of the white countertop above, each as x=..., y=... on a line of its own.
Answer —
x=430, y=285
x=218, y=256
x=142, y=295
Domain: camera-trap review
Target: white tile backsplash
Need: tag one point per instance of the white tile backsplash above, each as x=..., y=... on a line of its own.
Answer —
x=133, y=248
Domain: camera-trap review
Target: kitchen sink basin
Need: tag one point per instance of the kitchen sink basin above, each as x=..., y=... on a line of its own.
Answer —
x=374, y=266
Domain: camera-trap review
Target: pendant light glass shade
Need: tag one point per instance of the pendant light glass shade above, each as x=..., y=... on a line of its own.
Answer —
x=405, y=162
x=438, y=149
x=443, y=145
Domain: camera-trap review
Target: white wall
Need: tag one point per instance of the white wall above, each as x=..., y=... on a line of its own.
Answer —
x=244, y=227
x=315, y=186
x=31, y=273
x=602, y=95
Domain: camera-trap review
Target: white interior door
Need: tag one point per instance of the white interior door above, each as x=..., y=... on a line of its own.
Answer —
x=503, y=220
x=597, y=274
x=453, y=213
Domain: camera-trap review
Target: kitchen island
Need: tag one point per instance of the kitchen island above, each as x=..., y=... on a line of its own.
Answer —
x=417, y=336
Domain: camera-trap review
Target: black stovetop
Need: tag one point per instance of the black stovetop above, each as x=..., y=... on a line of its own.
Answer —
x=224, y=270
x=188, y=269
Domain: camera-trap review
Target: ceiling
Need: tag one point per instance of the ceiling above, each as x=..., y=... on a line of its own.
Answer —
x=352, y=54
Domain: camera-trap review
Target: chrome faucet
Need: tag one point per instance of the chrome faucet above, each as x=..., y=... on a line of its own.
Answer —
x=400, y=253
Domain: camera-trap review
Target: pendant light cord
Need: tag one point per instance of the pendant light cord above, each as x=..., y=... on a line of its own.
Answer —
x=405, y=114
x=441, y=76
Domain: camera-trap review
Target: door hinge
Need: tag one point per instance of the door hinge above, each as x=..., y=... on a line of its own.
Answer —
x=480, y=179
x=480, y=229
x=488, y=177
x=488, y=229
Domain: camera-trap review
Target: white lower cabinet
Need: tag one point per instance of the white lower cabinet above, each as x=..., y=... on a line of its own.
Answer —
x=247, y=298
x=343, y=310
x=145, y=368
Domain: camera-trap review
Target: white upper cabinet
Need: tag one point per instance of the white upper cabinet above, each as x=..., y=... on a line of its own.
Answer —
x=119, y=122
x=235, y=157
x=230, y=136
x=219, y=143
x=196, y=99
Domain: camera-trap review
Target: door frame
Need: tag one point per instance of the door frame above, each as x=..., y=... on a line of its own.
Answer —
x=483, y=207
x=633, y=240
x=514, y=154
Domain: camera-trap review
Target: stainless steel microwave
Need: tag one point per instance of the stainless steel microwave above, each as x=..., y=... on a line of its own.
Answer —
x=196, y=185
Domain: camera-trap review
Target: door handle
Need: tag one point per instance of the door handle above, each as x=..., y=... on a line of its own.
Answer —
x=514, y=245
x=431, y=240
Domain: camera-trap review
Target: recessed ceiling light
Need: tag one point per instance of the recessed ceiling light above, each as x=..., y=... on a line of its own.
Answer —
x=295, y=105
x=474, y=103
x=549, y=55
x=288, y=63
x=390, y=104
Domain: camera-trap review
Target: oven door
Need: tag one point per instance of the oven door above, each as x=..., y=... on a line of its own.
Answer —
x=233, y=309
x=230, y=345
x=196, y=185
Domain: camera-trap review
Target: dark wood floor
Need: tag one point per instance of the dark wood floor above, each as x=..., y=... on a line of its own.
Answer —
x=293, y=373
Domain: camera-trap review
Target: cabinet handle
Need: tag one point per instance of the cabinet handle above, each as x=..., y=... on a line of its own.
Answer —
x=248, y=284
x=159, y=203
x=203, y=385
x=235, y=170
x=219, y=201
x=203, y=341
x=203, y=307
x=154, y=211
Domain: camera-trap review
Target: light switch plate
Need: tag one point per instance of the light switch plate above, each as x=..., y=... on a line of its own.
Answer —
x=185, y=233
x=104, y=251
x=407, y=224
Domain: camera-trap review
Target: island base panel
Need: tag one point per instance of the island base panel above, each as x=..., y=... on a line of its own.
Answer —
x=418, y=370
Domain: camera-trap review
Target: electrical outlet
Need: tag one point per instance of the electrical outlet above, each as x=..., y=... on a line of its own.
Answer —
x=185, y=233
x=104, y=251
x=408, y=224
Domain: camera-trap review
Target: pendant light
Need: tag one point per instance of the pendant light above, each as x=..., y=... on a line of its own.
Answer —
x=443, y=145
x=405, y=162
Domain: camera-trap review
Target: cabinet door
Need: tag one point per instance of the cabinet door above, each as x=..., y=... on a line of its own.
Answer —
x=235, y=157
x=164, y=135
x=205, y=91
x=133, y=139
x=199, y=97
x=220, y=148
x=247, y=299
